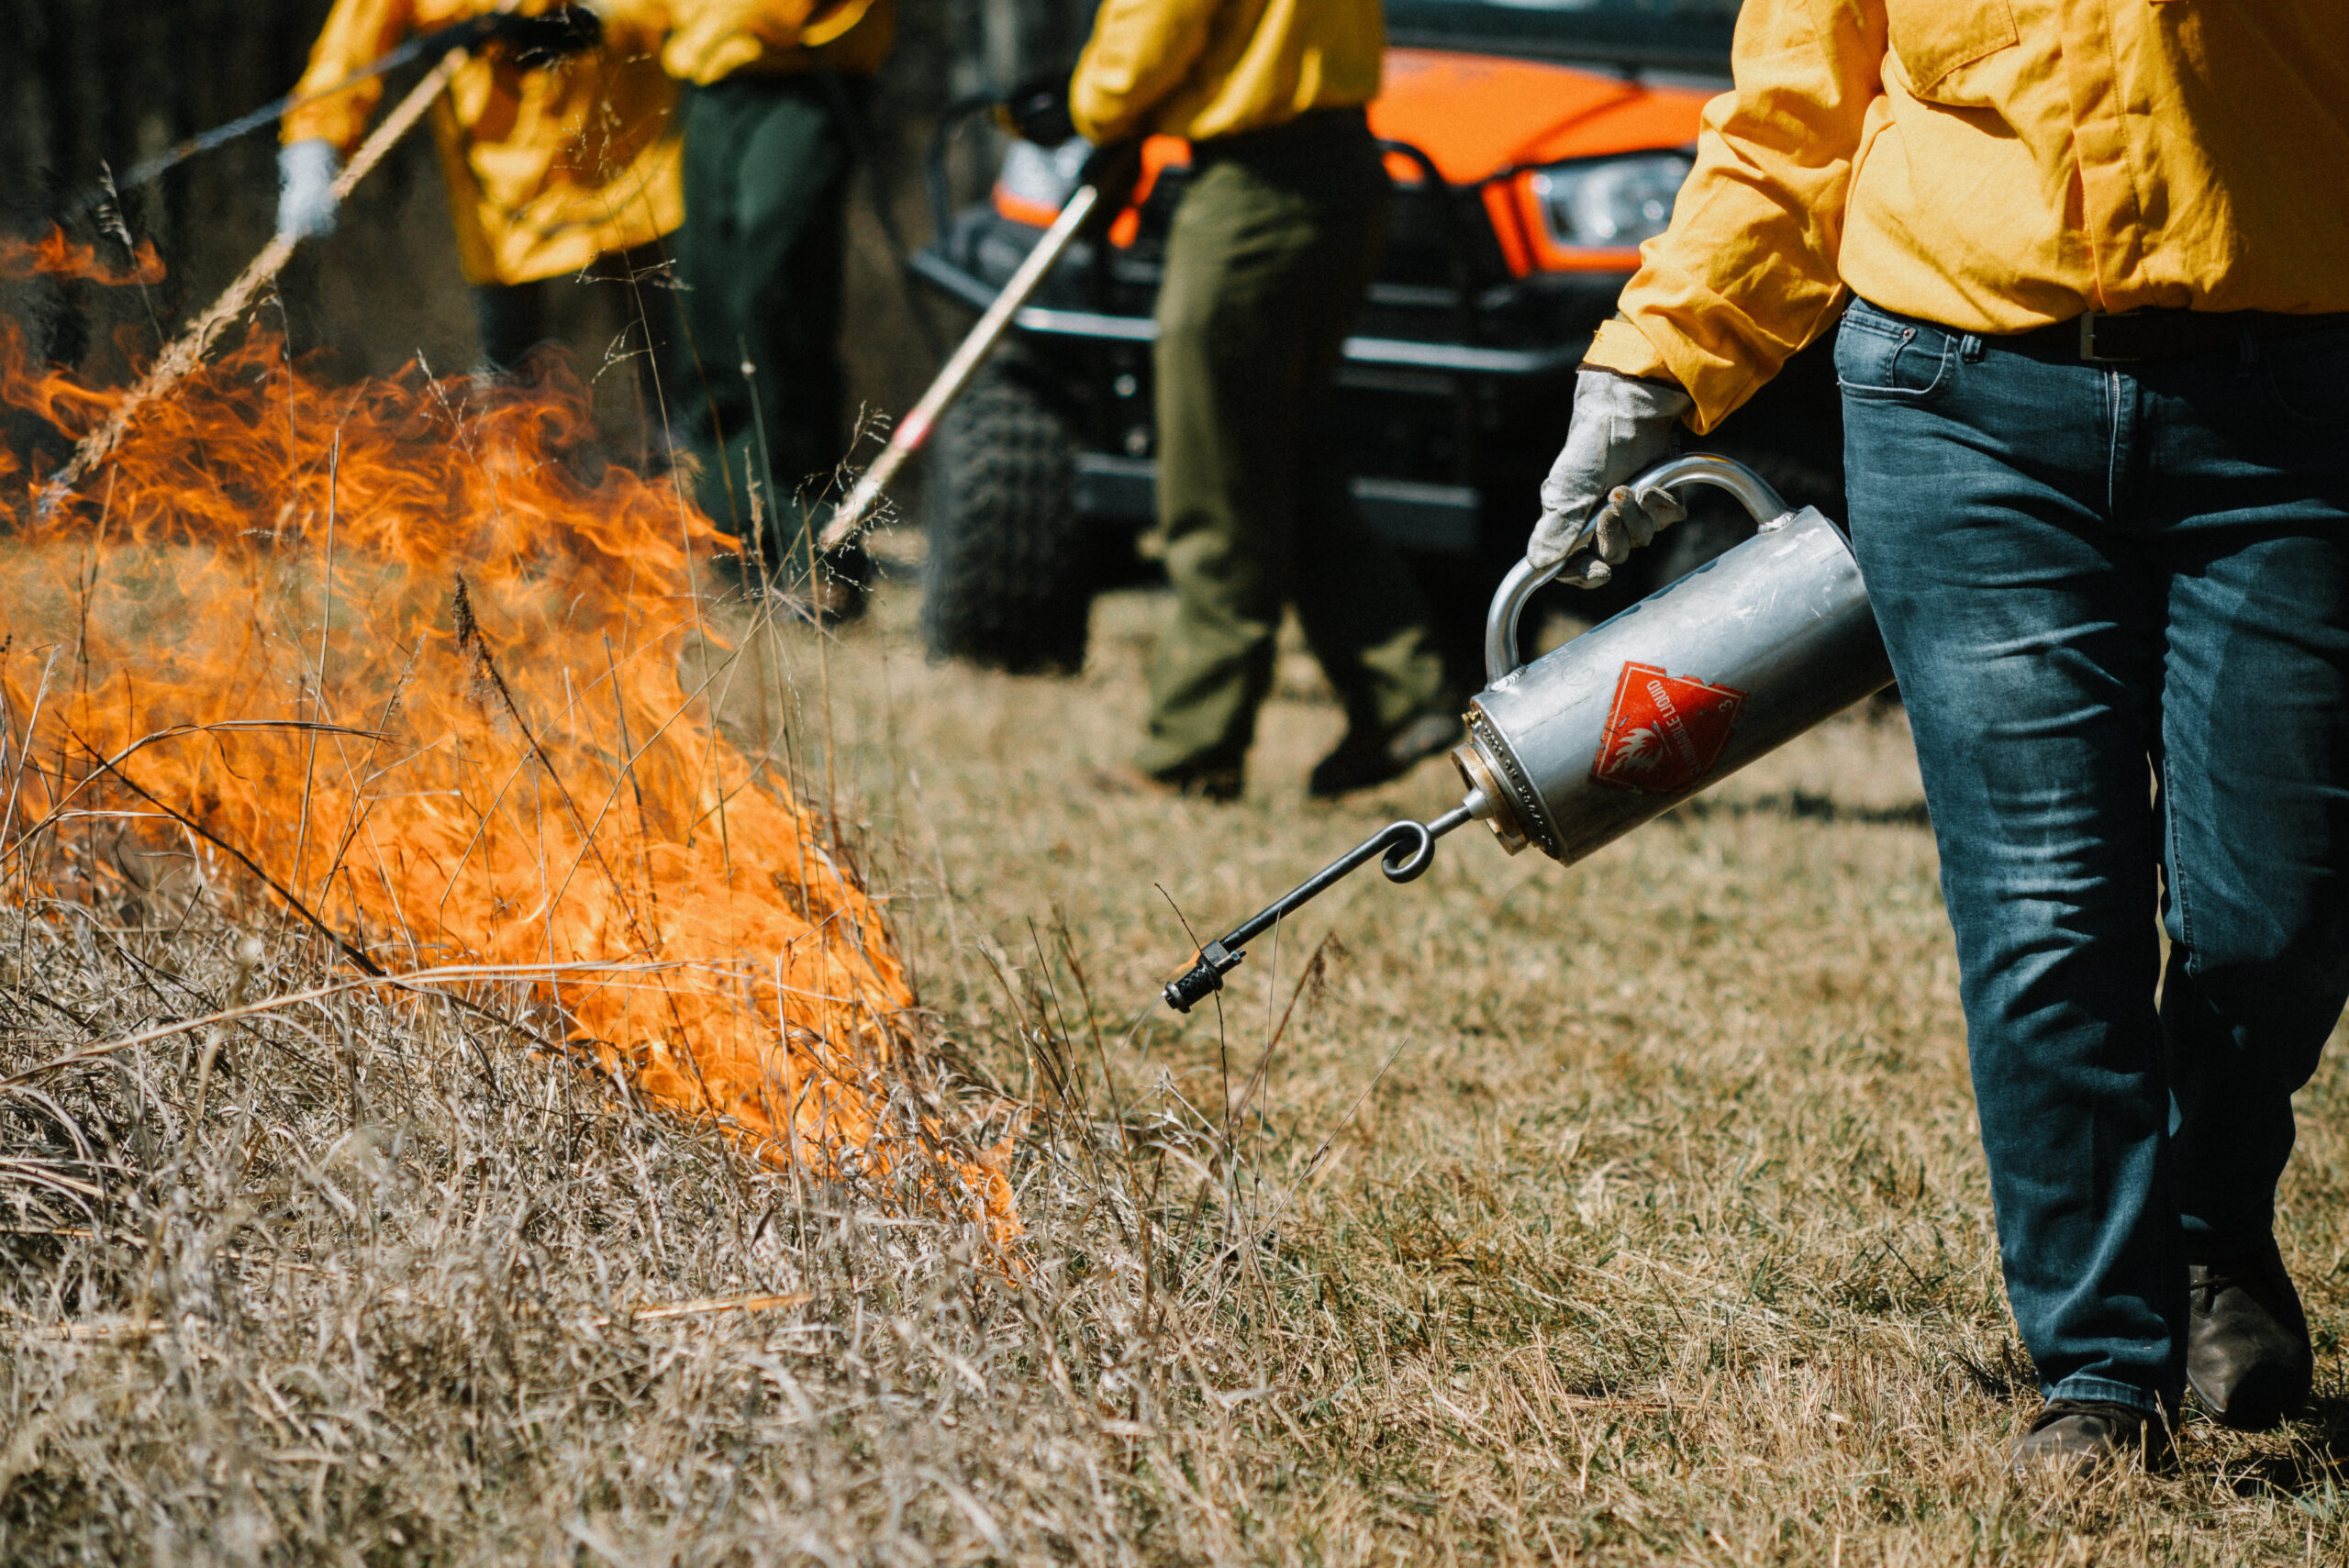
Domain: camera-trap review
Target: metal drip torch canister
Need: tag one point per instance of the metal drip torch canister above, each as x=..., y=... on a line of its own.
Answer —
x=1574, y=750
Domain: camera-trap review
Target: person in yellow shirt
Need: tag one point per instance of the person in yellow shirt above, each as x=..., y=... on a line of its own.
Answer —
x=1272, y=250
x=559, y=145
x=770, y=88
x=2087, y=267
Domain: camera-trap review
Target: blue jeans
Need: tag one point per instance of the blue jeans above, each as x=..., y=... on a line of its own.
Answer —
x=2117, y=598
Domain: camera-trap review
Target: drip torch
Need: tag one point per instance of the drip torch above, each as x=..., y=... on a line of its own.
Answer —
x=1618, y=726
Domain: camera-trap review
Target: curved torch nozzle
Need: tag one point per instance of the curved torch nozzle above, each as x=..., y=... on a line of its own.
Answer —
x=1403, y=850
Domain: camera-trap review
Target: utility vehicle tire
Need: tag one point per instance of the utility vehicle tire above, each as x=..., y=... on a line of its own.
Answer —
x=1011, y=577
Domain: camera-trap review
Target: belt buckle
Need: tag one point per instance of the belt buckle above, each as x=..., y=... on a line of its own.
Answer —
x=2089, y=349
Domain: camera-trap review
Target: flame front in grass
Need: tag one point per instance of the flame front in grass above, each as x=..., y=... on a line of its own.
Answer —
x=428, y=681
x=54, y=255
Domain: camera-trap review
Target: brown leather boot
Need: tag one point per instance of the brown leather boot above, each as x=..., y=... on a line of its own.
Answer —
x=2247, y=1353
x=2075, y=1439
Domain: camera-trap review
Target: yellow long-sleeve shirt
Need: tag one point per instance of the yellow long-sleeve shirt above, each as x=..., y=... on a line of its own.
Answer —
x=547, y=170
x=712, y=39
x=1208, y=68
x=1996, y=165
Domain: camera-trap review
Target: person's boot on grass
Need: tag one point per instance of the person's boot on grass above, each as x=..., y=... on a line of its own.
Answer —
x=2075, y=1438
x=2248, y=1358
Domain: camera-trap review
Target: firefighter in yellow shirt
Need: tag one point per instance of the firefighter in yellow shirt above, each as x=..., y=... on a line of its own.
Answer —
x=770, y=93
x=557, y=140
x=2087, y=267
x=1272, y=250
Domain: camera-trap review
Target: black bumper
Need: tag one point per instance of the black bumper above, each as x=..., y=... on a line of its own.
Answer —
x=1383, y=354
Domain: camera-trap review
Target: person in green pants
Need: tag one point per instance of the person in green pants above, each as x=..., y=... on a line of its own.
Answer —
x=1270, y=255
x=768, y=87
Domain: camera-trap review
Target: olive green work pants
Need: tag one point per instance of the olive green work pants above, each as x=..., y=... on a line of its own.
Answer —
x=759, y=261
x=1268, y=263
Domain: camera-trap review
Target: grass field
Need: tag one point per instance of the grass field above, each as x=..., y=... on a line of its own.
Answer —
x=1625, y=1214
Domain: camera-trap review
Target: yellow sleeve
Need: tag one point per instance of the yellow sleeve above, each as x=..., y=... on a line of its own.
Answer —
x=633, y=27
x=711, y=39
x=357, y=34
x=1141, y=51
x=1747, y=274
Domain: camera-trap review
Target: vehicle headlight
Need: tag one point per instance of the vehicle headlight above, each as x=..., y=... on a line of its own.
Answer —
x=1042, y=178
x=1609, y=203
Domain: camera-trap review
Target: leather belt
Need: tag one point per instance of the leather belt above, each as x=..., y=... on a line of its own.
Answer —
x=1307, y=133
x=2101, y=339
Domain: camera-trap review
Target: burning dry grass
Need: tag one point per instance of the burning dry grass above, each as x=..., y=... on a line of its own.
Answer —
x=389, y=655
x=1627, y=1215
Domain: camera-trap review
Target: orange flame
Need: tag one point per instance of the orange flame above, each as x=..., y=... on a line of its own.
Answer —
x=475, y=742
x=54, y=255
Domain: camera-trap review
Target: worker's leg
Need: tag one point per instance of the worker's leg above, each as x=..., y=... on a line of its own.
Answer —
x=795, y=219
x=511, y=320
x=714, y=404
x=2255, y=764
x=1363, y=616
x=1229, y=379
x=761, y=260
x=2026, y=626
x=1266, y=264
x=640, y=287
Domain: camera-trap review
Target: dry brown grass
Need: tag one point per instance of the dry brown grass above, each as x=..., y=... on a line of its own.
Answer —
x=1628, y=1214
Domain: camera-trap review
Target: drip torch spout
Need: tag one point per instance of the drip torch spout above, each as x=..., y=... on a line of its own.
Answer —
x=1404, y=850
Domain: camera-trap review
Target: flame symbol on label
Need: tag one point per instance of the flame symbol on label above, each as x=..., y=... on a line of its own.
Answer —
x=1665, y=732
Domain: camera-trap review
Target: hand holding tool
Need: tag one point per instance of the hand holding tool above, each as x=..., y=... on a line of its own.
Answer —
x=306, y=203
x=1620, y=427
x=1037, y=111
x=187, y=351
x=464, y=35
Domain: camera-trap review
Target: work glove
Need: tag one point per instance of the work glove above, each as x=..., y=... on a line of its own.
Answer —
x=1621, y=427
x=1037, y=111
x=1115, y=170
x=307, y=171
x=538, y=42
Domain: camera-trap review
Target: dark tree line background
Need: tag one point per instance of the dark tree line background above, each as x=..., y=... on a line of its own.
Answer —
x=93, y=85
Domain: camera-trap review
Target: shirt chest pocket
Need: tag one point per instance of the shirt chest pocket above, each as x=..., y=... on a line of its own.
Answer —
x=1935, y=41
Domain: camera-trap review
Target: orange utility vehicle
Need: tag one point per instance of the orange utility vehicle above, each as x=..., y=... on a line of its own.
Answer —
x=1535, y=144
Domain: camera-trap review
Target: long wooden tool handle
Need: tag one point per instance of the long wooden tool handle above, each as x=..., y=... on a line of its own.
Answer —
x=188, y=350
x=916, y=426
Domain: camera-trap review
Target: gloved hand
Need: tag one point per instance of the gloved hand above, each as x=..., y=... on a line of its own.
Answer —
x=1037, y=111
x=537, y=42
x=1114, y=169
x=306, y=199
x=1620, y=429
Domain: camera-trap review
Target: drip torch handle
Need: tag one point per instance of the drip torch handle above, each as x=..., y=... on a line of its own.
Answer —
x=1405, y=850
x=1752, y=491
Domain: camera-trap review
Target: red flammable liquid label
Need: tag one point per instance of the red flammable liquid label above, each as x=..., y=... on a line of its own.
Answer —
x=1665, y=731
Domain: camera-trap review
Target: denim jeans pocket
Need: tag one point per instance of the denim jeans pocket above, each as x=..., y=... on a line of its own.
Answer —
x=1881, y=356
x=2308, y=378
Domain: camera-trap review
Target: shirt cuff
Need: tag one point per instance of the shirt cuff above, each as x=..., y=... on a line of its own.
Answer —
x=1622, y=348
